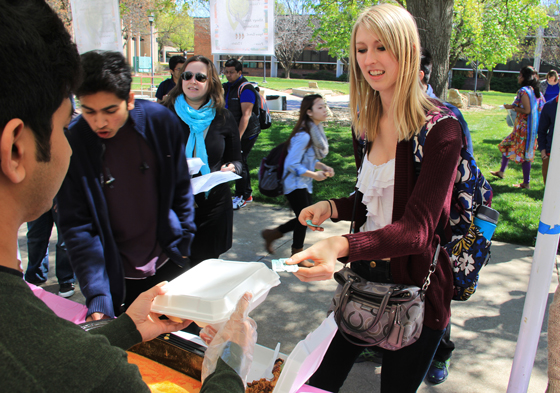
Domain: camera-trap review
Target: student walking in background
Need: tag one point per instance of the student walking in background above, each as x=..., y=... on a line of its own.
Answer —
x=544, y=135
x=306, y=146
x=521, y=144
x=243, y=105
x=396, y=212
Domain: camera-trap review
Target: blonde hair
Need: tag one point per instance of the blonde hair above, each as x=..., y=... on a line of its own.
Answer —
x=398, y=33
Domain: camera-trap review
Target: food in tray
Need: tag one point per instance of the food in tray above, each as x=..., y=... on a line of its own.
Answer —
x=162, y=379
x=263, y=385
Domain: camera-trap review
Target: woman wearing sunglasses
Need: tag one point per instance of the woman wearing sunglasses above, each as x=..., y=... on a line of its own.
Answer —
x=211, y=132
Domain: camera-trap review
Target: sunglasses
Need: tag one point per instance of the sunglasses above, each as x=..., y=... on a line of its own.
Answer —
x=187, y=76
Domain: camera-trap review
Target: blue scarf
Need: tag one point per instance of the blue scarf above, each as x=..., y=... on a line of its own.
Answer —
x=532, y=124
x=198, y=120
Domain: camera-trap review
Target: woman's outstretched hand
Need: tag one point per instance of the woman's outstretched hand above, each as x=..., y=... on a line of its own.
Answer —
x=324, y=254
x=317, y=213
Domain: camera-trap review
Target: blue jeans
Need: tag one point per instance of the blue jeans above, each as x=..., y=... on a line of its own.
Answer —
x=38, y=236
x=402, y=371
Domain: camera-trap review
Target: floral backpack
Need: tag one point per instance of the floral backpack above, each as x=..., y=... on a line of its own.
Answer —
x=468, y=249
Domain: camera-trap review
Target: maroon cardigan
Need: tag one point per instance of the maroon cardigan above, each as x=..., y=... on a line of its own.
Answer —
x=410, y=241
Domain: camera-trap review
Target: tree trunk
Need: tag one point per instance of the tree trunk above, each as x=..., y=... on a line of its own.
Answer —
x=489, y=78
x=434, y=19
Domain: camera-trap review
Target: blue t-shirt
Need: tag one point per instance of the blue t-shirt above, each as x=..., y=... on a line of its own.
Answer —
x=246, y=94
x=551, y=92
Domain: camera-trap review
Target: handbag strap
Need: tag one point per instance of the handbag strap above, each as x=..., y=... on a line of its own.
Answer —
x=431, y=270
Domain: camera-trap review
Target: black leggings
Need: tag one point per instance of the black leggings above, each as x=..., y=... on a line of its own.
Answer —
x=299, y=199
x=402, y=371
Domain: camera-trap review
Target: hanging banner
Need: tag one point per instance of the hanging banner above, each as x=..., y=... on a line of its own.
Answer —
x=97, y=25
x=242, y=27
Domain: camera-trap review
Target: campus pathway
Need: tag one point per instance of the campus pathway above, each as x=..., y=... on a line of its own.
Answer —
x=293, y=102
x=484, y=328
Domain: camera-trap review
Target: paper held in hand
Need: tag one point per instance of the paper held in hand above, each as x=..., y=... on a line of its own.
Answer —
x=194, y=164
x=207, y=182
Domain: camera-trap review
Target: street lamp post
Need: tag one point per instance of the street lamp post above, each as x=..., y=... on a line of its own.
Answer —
x=151, y=20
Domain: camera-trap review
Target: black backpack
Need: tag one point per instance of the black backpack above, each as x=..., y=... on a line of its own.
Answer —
x=260, y=109
x=271, y=170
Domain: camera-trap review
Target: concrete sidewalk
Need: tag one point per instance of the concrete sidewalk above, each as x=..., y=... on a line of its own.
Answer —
x=294, y=102
x=484, y=329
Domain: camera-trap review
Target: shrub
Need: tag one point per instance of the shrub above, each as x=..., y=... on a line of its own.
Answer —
x=322, y=75
x=343, y=78
x=458, y=81
x=504, y=84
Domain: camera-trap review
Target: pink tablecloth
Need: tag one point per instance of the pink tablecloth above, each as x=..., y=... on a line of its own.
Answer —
x=310, y=389
x=64, y=308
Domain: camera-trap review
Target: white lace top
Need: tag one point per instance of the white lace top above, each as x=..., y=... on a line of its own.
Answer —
x=377, y=183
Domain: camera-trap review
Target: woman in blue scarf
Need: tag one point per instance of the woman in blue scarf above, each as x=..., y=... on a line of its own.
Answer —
x=521, y=144
x=212, y=135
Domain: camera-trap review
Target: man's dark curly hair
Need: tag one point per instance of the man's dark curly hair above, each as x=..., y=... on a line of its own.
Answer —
x=105, y=71
x=40, y=67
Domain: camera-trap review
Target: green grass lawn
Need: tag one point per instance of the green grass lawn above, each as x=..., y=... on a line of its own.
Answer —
x=145, y=81
x=284, y=84
x=519, y=209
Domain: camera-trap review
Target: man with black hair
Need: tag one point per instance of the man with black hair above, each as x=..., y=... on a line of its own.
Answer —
x=244, y=108
x=41, y=352
x=175, y=65
x=126, y=209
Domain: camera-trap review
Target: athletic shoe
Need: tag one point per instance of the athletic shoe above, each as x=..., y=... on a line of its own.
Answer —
x=250, y=199
x=370, y=355
x=438, y=371
x=66, y=290
x=237, y=202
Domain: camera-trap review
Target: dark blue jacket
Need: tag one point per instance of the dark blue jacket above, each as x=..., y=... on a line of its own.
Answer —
x=83, y=216
x=546, y=125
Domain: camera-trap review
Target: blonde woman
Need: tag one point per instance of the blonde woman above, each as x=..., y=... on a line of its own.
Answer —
x=397, y=212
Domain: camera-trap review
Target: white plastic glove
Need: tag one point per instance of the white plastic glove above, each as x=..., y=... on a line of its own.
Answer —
x=233, y=342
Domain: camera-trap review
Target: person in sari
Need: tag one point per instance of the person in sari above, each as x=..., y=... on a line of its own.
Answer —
x=521, y=144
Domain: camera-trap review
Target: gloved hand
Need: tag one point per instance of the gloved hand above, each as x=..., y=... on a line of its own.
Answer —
x=233, y=342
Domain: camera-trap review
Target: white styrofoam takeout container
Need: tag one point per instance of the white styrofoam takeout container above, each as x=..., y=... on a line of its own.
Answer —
x=208, y=293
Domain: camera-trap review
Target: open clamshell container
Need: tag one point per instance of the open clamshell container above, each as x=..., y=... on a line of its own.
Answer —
x=208, y=293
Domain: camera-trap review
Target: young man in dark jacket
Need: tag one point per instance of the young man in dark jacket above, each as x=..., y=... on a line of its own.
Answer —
x=126, y=209
x=243, y=107
x=175, y=65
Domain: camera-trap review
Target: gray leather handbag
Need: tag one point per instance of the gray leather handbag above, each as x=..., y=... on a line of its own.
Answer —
x=389, y=316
